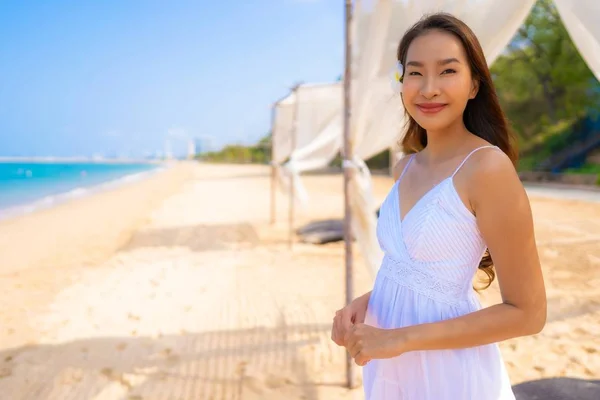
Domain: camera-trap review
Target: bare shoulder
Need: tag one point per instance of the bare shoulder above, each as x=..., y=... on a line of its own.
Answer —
x=491, y=176
x=399, y=167
x=490, y=162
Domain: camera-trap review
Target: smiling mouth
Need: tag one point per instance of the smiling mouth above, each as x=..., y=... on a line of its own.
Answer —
x=431, y=108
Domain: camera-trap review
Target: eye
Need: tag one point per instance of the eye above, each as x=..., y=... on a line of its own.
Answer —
x=414, y=73
x=449, y=71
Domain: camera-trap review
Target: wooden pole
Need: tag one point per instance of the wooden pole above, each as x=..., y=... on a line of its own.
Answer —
x=273, y=165
x=273, y=168
x=392, y=160
x=293, y=139
x=348, y=156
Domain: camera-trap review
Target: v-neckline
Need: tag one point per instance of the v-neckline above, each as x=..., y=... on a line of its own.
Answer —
x=401, y=218
x=398, y=193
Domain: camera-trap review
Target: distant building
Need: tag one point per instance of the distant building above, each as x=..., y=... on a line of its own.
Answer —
x=203, y=144
x=200, y=147
x=191, y=150
x=168, y=152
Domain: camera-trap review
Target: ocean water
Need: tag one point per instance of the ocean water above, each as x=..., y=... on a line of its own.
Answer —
x=27, y=186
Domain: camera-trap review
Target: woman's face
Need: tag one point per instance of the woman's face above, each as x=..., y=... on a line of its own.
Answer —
x=437, y=80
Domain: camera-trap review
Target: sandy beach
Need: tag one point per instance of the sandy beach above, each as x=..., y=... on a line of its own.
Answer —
x=178, y=287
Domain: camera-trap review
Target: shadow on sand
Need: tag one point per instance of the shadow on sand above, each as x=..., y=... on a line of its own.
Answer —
x=197, y=238
x=245, y=364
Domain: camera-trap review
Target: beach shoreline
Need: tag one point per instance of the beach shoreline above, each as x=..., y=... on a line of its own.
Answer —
x=111, y=199
x=80, y=191
x=81, y=160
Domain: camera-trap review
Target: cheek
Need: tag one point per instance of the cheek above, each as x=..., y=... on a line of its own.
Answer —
x=410, y=92
x=410, y=87
x=457, y=89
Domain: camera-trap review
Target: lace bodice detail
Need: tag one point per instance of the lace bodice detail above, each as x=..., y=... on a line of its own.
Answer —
x=423, y=281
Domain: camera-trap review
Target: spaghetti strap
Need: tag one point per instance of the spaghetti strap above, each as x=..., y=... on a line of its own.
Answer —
x=406, y=166
x=469, y=155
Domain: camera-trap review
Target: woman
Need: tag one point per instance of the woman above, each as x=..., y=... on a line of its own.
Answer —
x=457, y=203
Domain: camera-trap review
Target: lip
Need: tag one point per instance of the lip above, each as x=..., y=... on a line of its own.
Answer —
x=431, y=108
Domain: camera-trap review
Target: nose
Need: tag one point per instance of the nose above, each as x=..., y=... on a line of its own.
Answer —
x=430, y=88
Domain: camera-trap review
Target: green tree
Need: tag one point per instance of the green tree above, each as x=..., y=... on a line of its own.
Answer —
x=258, y=153
x=542, y=79
x=266, y=140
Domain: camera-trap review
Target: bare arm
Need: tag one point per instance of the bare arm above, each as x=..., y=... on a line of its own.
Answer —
x=505, y=221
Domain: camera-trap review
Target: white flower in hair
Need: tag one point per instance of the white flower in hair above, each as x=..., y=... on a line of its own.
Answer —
x=397, y=77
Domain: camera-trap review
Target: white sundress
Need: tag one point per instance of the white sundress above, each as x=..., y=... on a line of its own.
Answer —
x=430, y=259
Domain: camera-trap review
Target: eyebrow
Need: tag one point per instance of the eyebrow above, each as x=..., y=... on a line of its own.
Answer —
x=445, y=61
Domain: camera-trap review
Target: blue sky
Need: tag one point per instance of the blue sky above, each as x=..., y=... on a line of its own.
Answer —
x=108, y=77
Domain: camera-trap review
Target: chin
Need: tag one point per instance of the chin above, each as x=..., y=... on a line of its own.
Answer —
x=430, y=124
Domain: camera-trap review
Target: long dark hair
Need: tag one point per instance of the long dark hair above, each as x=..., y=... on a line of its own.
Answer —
x=483, y=115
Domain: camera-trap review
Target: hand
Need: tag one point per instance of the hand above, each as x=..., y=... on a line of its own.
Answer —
x=353, y=313
x=365, y=342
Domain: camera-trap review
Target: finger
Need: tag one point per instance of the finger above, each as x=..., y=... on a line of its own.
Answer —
x=360, y=360
x=338, y=333
x=337, y=319
x=336, y=339
x=339, y=339
x=351, y=335
x=346, y=317
x=333, y=336
x=343, y=325
x=355, y=348
x=348, y=338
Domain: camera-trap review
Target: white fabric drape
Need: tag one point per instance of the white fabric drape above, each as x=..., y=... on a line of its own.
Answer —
x=581, y=19
x=281, y=131
x=316, y=123
x=319, y=114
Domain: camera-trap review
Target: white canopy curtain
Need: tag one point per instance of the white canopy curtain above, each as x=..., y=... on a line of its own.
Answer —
x=282, y=128
x=317, y=126
x=322, y=133
x=283, y=116
x=377, y=115
x=581, y=18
